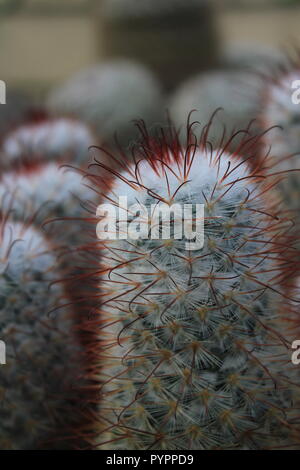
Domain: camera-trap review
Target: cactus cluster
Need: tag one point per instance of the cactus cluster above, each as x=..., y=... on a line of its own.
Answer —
x=191, y=352
x=44, y=351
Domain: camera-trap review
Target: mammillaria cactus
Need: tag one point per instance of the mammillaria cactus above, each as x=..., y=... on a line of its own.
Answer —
x=15, y=110
x=281, y=112
x=41, y=352
x=109, y=96
x=59, y=139
x=236, y=92
x=179, y=29
x=190, y=355
x=47, y=192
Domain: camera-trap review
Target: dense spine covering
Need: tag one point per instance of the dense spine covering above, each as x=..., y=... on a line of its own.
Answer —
x=49, y=139
x=41, y=353
x=48, y=193
x=190, y=351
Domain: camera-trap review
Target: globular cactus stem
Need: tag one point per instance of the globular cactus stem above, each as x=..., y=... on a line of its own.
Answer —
x=189, y=353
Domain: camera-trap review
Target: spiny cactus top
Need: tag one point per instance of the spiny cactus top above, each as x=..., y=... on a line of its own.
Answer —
x=46, y=191
x=39, y=348
x=109, y=96
x=60, y=139
x=189, y=353
x=236, y=92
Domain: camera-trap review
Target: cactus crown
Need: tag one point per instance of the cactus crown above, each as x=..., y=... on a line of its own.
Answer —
x=60, y=139
x=187, y=337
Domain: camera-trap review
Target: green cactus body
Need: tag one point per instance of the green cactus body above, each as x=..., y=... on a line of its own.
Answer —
x=190, y=353
x=35, y=382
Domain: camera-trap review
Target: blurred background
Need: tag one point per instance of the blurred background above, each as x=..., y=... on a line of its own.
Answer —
x=47, y=49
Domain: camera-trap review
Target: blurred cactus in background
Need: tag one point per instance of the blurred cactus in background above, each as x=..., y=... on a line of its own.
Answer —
x=236, y=92
x=251, y=56
x=14, y=111
x=42, y=356
x=62, y=139
x=175, y=38
x=109, y=96
x=281, y=113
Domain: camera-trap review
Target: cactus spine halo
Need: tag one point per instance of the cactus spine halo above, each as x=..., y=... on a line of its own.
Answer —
x=46, y=192
x=40, y=351
x=189, y=352
x=58, y=139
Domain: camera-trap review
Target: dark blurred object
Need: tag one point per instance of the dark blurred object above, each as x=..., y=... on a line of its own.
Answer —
x=14, y=111
x=176, y=38
x=238, y=93
x=10, y=6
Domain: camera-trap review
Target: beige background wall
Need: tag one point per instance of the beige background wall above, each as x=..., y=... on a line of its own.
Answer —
x=38, y=50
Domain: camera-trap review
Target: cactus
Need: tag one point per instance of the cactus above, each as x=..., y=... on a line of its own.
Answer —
x=236, y=92
x=47, y=192
x=189, y=352
x=41, y=353
x=180, y=30
x=100, y=96
x=283, y=141
x=60, y=139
